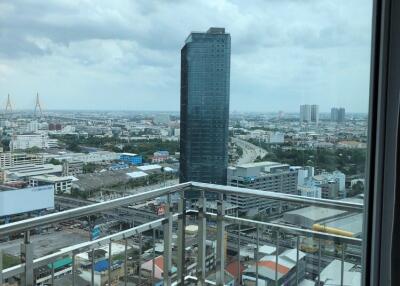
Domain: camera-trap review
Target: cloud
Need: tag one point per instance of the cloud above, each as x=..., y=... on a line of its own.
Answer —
x=126, y=54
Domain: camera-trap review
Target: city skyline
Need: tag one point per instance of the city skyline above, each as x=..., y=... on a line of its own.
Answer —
x=88, y=56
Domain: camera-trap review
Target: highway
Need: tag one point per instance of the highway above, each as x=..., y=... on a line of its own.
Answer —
x=126, y=214
x=250, y=151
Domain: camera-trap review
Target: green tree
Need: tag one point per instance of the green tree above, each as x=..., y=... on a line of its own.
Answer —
x=89, y=168
x=54, y=161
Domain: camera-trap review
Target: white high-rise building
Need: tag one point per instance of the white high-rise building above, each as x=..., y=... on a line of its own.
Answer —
x=309, y=113
x=32, y=127
x=305, y=113
x=26, y=141
x=315, y=113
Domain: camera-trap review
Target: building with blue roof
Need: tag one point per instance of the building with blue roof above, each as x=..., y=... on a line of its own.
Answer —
x=131, y=158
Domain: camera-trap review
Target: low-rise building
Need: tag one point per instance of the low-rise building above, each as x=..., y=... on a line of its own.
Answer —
x=24, y=172
x=267, y=267
x=72, y=168
x=62, y=185
x=91, y=157
x=160, y=156
x=324, y=185
x=11, y=159
x=131, y=158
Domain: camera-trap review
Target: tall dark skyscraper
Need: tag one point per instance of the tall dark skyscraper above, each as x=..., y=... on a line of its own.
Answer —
x=205, y=81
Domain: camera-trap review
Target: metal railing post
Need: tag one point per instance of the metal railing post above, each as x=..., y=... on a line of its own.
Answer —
x=202, y=236
x=73, y=268
x=168, y=242
x=181, y=238
x=220, y=241
x=140, y=258
x=109, y=262
x=153, y=266
x=125, y=262
x=319, y=262
x=92, y=268
x=256, y=252
x=277, y=258
x=342, y=266
x=238, y=254
x=52, y=274
x=297, y=259
x=1, y=267
x=27, y=258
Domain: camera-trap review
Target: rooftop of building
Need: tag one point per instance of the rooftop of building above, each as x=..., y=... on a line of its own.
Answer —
x=352, y=223
x=315, y=213
x=329, y=275
x=267, y=265
x=53, y=178
x=262, y=164
x=129, y=154
x=29, y=170
x=211, y=30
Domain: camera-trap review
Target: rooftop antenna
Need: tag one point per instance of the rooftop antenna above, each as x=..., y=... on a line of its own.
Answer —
x=38, y=106
x=8, y=104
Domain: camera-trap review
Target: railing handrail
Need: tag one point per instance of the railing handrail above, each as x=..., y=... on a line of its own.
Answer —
x=231, y=190
x=126, y=234
x=24, y=225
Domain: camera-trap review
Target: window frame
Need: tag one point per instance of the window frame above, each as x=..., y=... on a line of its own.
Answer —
x=381, y=215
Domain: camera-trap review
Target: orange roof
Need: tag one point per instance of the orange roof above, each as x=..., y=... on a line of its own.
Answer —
x=270, y=264
x=159, y=262
x=233, y=267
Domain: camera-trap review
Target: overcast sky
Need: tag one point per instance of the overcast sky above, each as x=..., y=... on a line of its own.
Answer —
x=125, y=55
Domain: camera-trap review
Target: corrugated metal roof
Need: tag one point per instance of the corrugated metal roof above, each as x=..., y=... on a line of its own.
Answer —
x=60, y=263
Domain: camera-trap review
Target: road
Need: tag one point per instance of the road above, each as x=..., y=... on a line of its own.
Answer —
x=250, y=151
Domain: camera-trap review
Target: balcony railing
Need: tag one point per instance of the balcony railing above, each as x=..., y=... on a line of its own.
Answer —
x=281, y=235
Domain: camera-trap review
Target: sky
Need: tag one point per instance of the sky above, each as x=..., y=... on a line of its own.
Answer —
x=125, y=55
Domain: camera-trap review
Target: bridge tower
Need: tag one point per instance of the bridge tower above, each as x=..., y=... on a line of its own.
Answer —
x=8, y=105
x=38, y=107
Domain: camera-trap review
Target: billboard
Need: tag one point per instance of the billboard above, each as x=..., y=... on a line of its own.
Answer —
x=26, y=200
x=95, y=233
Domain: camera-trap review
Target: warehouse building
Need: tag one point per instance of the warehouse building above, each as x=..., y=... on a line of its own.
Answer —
x=62, y=185
x=24, y=172
x=131, y=158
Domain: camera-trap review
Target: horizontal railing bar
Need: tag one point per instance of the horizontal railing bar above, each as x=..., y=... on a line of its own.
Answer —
x=32, y=223
x=86, y=246
x=290, y=229
x=24, y=225
x=13, y=271
x=230, y=190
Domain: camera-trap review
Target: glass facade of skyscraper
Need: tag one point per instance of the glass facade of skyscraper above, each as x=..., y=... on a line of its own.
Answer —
x=205, y=80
